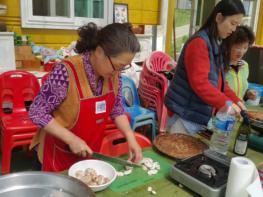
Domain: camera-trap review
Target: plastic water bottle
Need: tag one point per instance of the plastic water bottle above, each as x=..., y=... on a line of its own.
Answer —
x=223, y=124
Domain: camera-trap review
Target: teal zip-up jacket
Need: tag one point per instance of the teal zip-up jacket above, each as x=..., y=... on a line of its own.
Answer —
x=238, y=81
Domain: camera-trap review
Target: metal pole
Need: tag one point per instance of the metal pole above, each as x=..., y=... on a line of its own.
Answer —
x=154, y=37
x=193, y=17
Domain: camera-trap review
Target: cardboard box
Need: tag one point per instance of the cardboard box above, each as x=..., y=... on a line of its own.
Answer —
x=19, y=64
x=35, y=63
x=24, y=53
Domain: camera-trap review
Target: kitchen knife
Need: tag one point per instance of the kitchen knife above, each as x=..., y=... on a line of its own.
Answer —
x=115, y=160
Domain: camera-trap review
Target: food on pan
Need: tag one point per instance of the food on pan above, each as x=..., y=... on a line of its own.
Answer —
x=179, y=145
x=256, y=115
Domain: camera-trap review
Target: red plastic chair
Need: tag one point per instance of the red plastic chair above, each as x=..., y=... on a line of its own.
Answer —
x=17, y=91
x=114, y=144
x=151, y=98
x=140, y=116
x=110, y=125
x=153, y=82
x=160, y=62
x=49, y=66
x=44, y=78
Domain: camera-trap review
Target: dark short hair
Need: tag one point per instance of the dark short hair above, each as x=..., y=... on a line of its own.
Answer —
x=226, y=8
x=242, y=34
x=114, y=38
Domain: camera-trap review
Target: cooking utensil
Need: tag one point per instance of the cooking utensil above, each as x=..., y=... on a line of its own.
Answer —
x=39, y=184
x=206, y=173
x=255, y=124
x=115, y=160
x=178, y=145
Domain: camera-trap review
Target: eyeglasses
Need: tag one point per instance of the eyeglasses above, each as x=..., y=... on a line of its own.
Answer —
x=118, y=69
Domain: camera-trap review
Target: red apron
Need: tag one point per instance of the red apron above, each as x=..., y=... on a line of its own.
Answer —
x=90, y=125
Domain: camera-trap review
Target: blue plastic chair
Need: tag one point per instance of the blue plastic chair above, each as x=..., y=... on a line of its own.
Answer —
x=139, y=116
x=257, y=87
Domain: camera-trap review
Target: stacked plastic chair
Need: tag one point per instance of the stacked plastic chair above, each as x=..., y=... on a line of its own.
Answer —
x=139, y=116
x=17, y=91
x=153, y=84
x=111, y=126
x=114, y=143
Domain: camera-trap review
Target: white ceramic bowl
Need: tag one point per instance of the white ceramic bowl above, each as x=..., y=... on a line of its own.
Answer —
x=101, y=167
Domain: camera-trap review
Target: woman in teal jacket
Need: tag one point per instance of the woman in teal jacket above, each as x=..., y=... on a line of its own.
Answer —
x=238, y=70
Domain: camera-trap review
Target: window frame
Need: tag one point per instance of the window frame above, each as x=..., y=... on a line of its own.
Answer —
x=28, y=20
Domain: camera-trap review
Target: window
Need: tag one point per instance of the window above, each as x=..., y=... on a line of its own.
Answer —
x=89, y=9
x=51, y=8
x=252, y=11
x=65, y=14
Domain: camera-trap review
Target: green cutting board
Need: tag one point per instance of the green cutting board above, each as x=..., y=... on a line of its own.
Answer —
x=138, y=176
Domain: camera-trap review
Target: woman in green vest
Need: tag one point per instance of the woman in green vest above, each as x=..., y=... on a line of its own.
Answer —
x=237, y=71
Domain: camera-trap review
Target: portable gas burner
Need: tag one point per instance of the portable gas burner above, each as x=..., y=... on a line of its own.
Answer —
x=205, y=174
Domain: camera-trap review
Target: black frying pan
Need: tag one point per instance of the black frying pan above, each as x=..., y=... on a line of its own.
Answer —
x=257, y=125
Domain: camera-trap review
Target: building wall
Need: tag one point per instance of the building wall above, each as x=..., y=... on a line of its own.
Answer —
x=140, y=12
x=46, y=37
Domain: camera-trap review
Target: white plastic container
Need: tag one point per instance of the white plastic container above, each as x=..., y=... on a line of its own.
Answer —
x=7, y=52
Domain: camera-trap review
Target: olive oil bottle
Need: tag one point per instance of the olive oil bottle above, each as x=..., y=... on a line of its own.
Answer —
x=241, y=141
